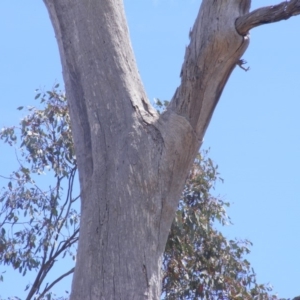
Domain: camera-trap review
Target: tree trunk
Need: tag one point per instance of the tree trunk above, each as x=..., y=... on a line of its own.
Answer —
x=132, y=161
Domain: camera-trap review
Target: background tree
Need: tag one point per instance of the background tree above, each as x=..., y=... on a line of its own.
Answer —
x=39, y=227
x=100, y=113
x=40, y=224
x=199, y=262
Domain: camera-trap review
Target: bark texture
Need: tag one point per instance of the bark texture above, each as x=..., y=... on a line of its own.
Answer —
x=269, y=14
x=133, y=162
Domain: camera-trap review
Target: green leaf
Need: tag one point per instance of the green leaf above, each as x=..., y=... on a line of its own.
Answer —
x=37, y=96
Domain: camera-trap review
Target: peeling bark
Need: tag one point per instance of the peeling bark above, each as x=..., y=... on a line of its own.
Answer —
x=133, y=162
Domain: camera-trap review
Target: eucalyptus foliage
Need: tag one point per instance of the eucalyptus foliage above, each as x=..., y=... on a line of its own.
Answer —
x=199, y=262
x=40, y=225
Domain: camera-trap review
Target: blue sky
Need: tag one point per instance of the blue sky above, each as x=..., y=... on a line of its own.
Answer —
x=254, y=133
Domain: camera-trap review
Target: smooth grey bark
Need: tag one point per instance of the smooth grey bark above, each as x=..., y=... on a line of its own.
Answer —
x=268, y=14
x=133, y=162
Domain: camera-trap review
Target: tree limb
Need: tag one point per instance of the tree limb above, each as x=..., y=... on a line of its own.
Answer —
x=268, y=14
x=47, y=265
x=54, y=282
x=213, y=52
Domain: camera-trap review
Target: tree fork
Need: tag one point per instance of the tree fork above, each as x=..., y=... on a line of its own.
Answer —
x=133, y=162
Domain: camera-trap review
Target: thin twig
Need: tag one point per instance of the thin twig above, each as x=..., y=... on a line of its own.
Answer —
x=268, y=14
x=48, y=288
x=68, y=199
x=46, y=267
